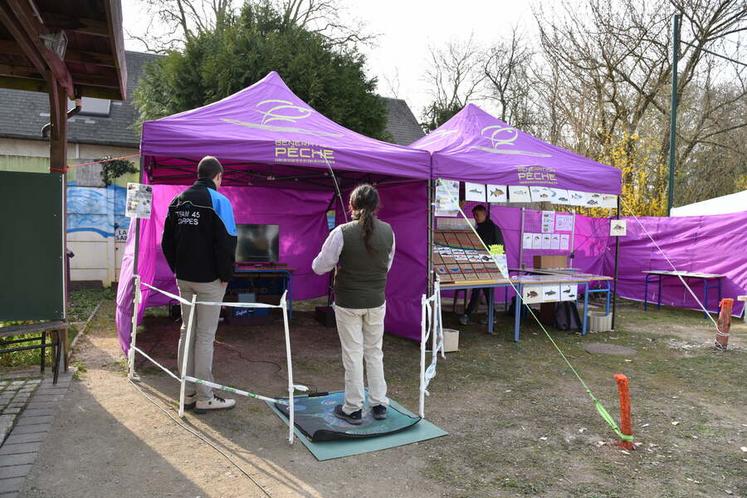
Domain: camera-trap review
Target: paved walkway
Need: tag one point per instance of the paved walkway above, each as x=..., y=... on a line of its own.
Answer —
x=14, y=394
x=29, y=407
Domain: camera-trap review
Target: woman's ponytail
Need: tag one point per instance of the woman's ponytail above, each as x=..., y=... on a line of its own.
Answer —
x=364, y=201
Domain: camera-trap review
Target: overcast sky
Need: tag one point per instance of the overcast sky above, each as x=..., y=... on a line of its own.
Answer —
x=406, y=29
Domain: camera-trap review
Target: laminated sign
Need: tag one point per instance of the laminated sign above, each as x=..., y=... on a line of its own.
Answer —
x=139, y=200
x=618, y=228
x=447, y=198
x=496, y=251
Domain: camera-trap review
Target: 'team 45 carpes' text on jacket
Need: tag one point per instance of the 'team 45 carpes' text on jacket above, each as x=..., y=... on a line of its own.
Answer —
x=199, y=235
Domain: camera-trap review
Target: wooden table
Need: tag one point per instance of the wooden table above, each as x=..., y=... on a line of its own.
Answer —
x=710, y=281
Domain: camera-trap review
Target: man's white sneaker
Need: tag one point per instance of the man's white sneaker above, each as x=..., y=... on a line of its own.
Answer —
x=217, y=403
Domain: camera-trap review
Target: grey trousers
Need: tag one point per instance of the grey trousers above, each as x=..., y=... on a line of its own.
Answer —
x=200, y=361
x=361, y=333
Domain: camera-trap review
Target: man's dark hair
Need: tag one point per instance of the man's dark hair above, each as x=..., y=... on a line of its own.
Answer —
x=477, y=208
x=209, y=167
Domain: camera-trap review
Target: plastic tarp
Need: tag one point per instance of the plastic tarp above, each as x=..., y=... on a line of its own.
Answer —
x=701, y=244
x=726, y=204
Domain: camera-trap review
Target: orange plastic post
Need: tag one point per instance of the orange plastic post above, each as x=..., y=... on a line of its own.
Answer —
x=724, y=323
x=626, y=419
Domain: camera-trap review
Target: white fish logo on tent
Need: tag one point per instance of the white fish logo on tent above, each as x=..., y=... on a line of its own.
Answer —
x=501, y=139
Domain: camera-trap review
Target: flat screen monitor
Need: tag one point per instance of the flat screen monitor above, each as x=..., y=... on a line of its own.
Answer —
x=257, y=243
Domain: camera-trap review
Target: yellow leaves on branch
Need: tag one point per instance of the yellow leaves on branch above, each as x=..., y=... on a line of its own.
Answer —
x=643, y=181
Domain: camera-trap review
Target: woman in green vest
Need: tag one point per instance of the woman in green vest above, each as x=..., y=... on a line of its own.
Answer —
x=362, y=252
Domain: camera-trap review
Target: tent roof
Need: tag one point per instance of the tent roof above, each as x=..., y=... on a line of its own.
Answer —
x=476, y=147
x=726, y=204
x=266, y=127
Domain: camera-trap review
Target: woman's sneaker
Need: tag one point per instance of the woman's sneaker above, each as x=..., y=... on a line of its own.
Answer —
x=217, y=403
x=379, y=412
x=355, y=418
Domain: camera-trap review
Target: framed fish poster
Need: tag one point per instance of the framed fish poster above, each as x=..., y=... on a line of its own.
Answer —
x=578, y=198
x=497, y=193
x=540, y=194
x=559, y=196
x=474, y=192
x=594, y=200
x=608, y=201
x=517, y=193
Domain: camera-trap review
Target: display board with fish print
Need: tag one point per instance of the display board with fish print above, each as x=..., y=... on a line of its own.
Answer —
x=460, y=257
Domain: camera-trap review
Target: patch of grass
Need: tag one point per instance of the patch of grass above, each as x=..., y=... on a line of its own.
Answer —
x=83, y=301
x=28, y=357
x=81, y=305
x=80, y=369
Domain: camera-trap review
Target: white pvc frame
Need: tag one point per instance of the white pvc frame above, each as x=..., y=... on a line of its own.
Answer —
x=183, y=378
x=431, y=326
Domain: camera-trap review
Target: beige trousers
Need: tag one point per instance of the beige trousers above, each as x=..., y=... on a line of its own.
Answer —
x=361, y=333
x=200, y=361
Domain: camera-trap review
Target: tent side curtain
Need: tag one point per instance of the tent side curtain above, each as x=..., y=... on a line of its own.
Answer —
x=302, y=219
x=474, y=146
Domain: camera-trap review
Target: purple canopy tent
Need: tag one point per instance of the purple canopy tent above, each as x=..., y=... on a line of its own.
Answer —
x=279, y=155
x=473, y=146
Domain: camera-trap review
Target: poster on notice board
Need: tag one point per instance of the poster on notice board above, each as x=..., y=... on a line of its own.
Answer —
x=447, y=198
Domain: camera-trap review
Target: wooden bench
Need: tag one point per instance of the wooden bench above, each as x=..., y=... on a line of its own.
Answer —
x=57, y=328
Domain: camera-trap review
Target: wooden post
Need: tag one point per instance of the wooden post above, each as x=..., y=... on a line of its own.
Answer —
x=626, y=419
x=724, y=323
x=58, y=133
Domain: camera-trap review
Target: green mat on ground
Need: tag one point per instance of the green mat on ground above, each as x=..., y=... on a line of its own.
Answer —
x=314, y=415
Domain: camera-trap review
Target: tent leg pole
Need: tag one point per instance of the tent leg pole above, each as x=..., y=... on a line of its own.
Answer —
x=135, y=286
x=521, y=241
x=430, y=236
x=617, y=260
x=136, y=298
x=572, y=254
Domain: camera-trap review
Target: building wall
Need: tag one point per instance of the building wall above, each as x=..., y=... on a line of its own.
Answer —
x=96, y=230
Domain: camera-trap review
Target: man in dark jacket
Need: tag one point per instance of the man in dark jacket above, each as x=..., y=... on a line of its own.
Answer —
x=490, y=234
x=199, y=242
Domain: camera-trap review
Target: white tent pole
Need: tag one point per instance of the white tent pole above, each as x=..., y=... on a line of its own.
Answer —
x=133, y=332
x=423, y=339
x=291, y=389
x=185, y=354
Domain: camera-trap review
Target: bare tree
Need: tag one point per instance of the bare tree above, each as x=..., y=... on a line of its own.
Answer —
x=455, y=76
x=392, y=83
x=617, y=56
x=507, y=68
x=326, y=18
x=183, y=20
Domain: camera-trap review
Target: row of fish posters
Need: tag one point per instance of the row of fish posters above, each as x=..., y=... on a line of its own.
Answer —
x=478, y=192
x=547, y=241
